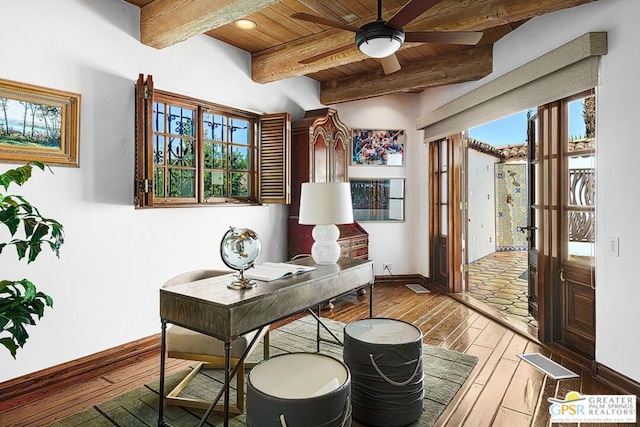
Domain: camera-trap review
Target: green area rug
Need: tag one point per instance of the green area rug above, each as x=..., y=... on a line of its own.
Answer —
x=444, y=373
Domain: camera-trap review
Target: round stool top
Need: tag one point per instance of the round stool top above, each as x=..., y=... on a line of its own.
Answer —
x=298, y=375
x=383, y=331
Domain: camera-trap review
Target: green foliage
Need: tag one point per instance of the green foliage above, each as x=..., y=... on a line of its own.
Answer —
x=20, y=301
x=589, y=116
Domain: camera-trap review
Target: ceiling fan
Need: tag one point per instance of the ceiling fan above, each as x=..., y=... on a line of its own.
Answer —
x=381, y=39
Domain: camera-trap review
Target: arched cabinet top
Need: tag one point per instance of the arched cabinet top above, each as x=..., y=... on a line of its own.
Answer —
x=323, y=120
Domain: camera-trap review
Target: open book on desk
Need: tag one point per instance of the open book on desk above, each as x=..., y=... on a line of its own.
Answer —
x=269, y=271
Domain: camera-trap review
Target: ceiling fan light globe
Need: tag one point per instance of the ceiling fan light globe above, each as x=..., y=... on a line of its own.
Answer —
x=376, y=40
x=379, y=47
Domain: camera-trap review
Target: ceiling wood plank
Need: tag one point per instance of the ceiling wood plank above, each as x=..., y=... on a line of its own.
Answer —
x=166, y=22
x=454, y=15
x=334, y=10
x=472, y=64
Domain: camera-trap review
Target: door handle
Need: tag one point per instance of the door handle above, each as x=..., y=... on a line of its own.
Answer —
x=527, y=228
x=562, y=278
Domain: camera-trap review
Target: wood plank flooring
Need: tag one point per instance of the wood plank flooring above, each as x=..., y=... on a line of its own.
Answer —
x=501, y=391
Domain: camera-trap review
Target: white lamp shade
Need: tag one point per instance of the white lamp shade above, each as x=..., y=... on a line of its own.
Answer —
x=324, y=203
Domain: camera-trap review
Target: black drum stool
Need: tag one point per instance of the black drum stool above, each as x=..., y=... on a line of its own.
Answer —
x=299, y=389
x=385, y=360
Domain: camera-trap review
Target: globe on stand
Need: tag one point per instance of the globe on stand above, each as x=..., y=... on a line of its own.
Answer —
x=239, y=249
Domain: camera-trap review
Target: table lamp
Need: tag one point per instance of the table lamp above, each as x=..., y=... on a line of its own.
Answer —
x=325, y=204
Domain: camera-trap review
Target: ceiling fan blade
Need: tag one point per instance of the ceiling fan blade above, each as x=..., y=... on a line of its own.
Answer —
x=390, y=64
x=323, y=21
x=449, y=37
x=409, y=12
x=324, y=55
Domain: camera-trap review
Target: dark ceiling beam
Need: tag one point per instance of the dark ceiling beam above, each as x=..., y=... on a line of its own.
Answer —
x=166, y=22
x=469, y=65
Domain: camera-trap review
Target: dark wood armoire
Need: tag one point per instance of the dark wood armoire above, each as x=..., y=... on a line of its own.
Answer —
x=320, y=153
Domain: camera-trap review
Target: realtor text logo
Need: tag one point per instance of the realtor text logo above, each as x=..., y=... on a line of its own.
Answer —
x=576, y=408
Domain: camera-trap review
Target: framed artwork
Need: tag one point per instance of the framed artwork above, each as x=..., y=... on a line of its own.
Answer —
x=377, y=199
x=38, y=123
x=378, y=147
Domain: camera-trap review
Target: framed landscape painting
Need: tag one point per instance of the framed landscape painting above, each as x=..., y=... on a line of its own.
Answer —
x=378, y=147
x=38, y=123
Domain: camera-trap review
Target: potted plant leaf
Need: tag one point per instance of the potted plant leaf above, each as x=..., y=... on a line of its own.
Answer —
x=20, y=301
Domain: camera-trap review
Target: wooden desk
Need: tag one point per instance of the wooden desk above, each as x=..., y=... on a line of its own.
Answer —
x=209, y=307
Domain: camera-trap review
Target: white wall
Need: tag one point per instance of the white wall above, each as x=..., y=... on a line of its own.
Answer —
x=617, y=293
x=481, y=200
x=395, y=243
x=105, y=284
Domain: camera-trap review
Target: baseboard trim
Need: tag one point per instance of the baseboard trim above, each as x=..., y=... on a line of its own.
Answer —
x=402, y=278
x=616, y=380
x=27, y=388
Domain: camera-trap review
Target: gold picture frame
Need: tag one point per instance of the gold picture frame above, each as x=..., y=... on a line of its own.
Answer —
x=38, y=124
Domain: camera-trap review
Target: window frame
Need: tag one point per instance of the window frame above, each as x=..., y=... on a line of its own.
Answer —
x=276, y=139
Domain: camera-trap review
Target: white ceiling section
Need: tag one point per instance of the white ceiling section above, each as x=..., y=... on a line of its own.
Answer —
x=562, y=72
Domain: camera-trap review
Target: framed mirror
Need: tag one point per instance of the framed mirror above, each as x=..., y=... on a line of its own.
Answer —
x=377, y=199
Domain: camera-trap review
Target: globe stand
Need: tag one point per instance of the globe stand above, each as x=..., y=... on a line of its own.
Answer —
x=241, y=282
x=239, y=249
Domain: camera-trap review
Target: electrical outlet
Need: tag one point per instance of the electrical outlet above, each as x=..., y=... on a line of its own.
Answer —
x=387, y=267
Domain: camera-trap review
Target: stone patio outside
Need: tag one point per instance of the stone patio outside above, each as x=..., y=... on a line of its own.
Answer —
x=499, y=280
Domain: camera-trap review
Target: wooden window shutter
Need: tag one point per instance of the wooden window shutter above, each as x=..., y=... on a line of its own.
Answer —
x=275, y=158
x=143, y=185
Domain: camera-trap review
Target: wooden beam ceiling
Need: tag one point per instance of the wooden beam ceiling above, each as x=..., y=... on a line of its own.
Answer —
x=351, y=75
x=166, y=22
x=282, y=61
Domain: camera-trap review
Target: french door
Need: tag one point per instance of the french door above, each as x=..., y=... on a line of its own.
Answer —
x=578, y=237
x=568, y=216
x=446, y=226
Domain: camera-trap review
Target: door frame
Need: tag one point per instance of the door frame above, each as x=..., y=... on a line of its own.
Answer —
x=451, y=245
x=552, y=298
x=533, y=216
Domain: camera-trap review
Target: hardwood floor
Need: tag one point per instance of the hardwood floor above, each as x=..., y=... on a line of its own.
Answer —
x=501, y=391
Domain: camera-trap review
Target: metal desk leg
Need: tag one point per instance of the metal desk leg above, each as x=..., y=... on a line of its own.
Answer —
x=226, y=386
x=371, y=299
x=163, y=345
x=227, y=380
x=319, y=323
x=228, y=376
x=318, y=329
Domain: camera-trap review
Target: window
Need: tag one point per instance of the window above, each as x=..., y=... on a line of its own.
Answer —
x=192, y=152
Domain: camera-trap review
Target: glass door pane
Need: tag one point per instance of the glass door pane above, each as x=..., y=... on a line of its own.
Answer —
x=580, y=181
